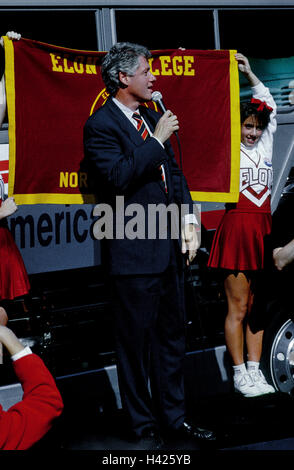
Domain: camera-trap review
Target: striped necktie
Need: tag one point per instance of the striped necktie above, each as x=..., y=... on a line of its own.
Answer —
x=142, y=129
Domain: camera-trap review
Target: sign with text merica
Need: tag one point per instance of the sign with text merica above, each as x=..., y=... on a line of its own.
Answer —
x=52, y=90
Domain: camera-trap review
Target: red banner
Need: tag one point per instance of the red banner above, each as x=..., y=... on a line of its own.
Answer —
x=51, y=91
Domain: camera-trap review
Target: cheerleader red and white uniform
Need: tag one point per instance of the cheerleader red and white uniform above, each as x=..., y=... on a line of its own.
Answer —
x=238, y=243
x=14, y=280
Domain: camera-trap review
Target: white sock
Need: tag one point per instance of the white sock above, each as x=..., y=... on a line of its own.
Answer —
x=252, y=366
x=239, y=369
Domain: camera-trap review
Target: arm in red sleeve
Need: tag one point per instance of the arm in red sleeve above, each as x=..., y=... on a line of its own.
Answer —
x=26, y=422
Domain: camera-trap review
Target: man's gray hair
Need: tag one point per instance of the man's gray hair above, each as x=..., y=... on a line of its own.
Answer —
x=122, y=57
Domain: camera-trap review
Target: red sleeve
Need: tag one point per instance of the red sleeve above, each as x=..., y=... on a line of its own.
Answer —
x=28, y=421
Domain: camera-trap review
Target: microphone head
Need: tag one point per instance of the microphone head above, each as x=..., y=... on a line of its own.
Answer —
x=156, y=96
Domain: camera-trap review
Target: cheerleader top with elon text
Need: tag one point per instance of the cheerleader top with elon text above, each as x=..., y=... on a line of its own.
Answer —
x=256, y=173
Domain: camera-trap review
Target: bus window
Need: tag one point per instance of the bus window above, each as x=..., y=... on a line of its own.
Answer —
x=73, y=29
x=166, y=29
x=257, y=33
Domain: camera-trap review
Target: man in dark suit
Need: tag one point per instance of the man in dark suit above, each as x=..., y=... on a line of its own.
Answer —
x=135, y=169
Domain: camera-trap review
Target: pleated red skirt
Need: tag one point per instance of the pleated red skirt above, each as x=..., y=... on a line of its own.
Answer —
x=238, y=242
x=14, y=280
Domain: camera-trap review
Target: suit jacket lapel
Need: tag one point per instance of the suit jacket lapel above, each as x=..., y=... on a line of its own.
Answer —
x=127, y=127
x=123, y=122
x=150, y=122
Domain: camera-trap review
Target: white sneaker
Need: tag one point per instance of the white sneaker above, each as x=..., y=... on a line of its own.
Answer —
x=244, y=384
x=260, y=382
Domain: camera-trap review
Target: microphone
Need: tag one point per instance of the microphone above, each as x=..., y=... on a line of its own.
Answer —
x=157, y=97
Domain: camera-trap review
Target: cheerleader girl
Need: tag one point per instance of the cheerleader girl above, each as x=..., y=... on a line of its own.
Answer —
x=14, y=280
x=238, y=244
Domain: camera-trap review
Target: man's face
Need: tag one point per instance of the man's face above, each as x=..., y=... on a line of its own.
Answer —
x=250, y=131
x=140, y=85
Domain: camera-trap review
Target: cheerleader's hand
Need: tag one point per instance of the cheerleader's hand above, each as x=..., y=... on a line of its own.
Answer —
x=243, y=63
x=244, y=67
x=8, y=207
x=11, y=35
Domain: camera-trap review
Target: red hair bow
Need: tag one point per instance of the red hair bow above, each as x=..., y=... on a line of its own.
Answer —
x=262, y=105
